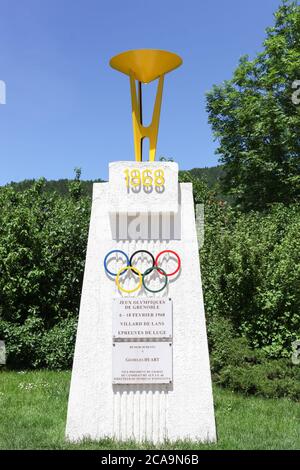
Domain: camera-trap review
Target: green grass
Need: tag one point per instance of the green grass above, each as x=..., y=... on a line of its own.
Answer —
x=33, y=415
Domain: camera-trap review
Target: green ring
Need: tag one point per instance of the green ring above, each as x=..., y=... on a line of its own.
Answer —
x=161, y=271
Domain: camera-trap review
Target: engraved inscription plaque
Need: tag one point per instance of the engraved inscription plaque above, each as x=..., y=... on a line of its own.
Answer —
x=142, y=318
x=142, y=362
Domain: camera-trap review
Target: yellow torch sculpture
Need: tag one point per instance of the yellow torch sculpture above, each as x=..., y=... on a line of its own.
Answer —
x=144, y=66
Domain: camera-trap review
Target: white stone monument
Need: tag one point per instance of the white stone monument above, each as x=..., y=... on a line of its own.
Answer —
x=141, y=366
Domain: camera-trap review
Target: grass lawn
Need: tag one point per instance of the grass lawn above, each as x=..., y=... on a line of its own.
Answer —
x=33, y=415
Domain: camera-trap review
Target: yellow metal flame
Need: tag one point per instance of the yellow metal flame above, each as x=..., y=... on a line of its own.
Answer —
x=145, y=65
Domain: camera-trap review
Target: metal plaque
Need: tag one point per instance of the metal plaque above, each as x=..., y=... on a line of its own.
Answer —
x=142, y=318
x=142, y=362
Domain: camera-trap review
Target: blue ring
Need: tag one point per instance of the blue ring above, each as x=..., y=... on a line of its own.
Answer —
x=110, y=253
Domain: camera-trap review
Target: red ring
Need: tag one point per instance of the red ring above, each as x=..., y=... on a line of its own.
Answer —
x=178, y=259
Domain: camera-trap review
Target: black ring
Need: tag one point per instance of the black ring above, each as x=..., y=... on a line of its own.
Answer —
x=141, y=251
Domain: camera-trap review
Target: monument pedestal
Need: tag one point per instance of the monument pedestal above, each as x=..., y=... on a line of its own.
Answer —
x=182, y=409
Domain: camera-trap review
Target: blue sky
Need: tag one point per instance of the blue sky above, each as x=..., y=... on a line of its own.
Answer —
x=65, y=107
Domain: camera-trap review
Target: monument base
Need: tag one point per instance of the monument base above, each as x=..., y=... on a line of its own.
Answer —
x=180, y=410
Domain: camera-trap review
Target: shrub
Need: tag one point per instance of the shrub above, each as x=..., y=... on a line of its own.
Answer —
x=43, y=240
x=57, y=344
x=271, y=379
x=251, y=271
x=23, y=342
x=236, y=365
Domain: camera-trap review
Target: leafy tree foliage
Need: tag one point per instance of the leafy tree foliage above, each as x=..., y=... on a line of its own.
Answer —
x=257, y=123
x=251, y=271
x=61, y=186
x=211, y=175
x=201, y=191
x=42, y=252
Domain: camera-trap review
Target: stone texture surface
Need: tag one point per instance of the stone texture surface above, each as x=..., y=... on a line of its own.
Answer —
x=98, y=409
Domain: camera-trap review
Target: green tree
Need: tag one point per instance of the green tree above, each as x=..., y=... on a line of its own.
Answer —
x=43, y=240
x=250, y=265
x=256, y=122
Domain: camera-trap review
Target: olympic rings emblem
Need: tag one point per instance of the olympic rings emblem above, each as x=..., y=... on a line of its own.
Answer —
x=130, y=267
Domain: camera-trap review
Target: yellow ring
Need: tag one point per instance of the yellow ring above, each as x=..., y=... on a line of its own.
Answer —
x=132, y=268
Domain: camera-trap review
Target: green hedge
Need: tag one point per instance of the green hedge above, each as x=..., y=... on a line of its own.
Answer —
x=237, y=366
x=251, y=274
x=43, y=239
x=250, y=270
